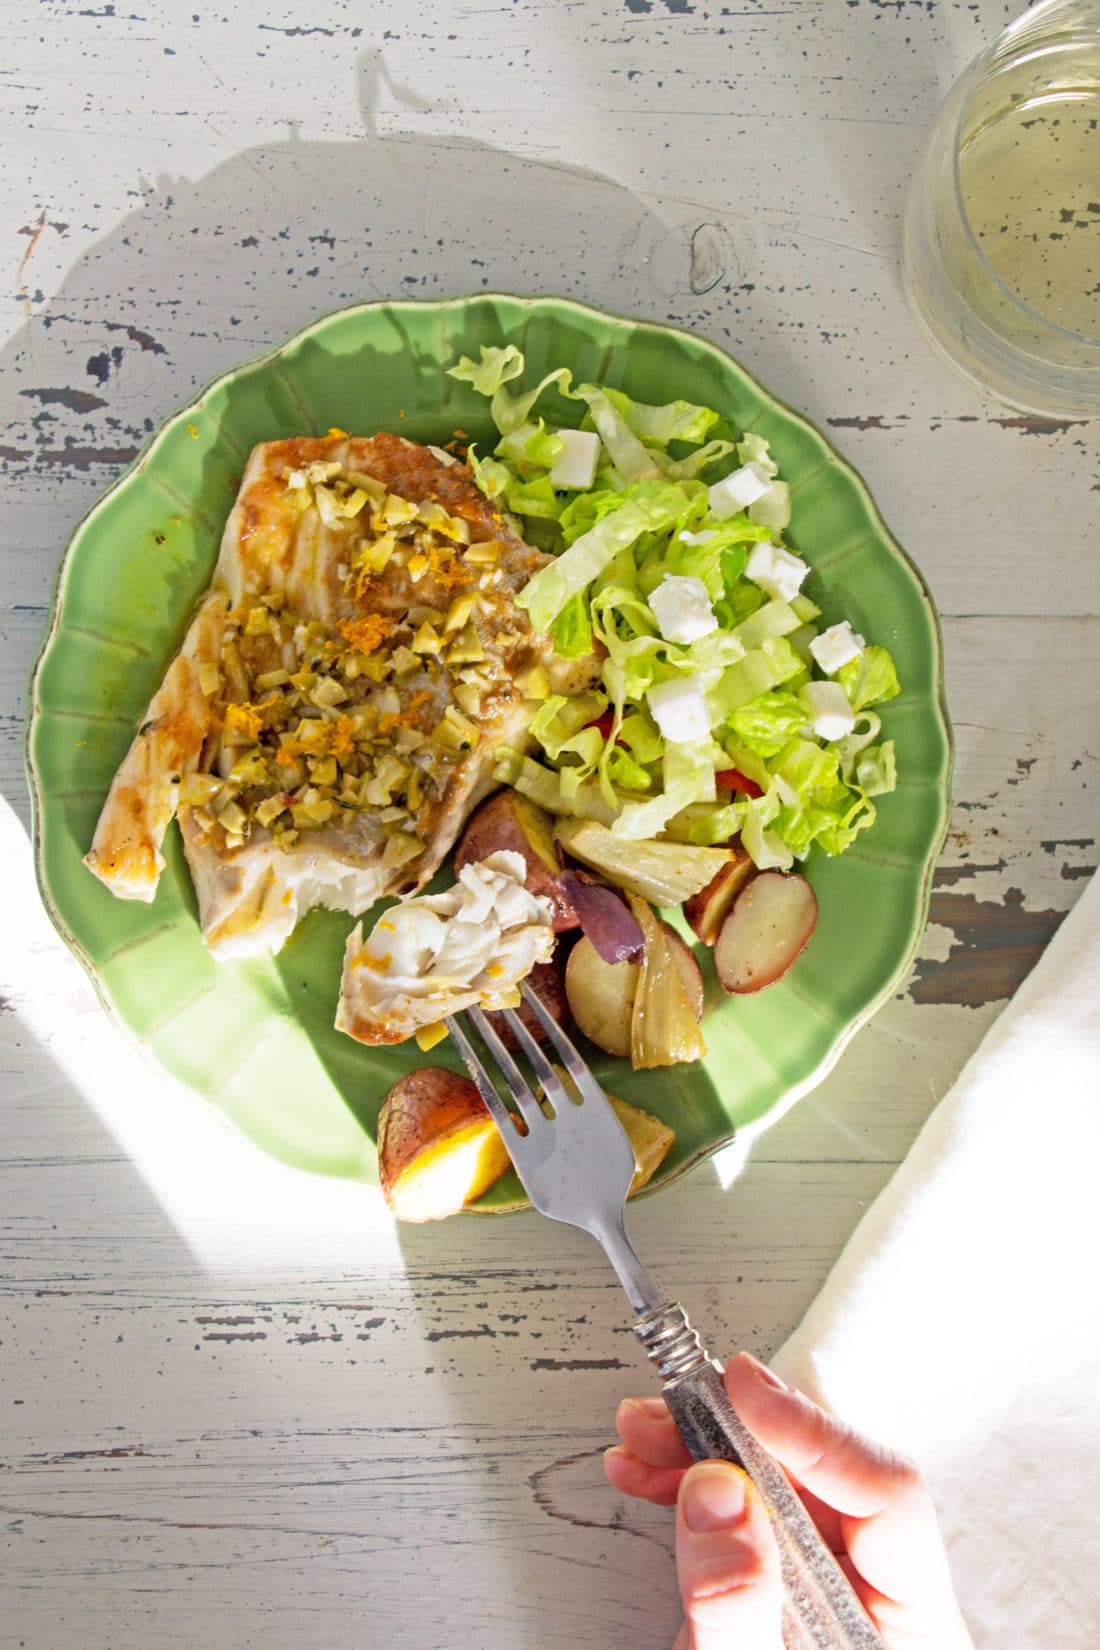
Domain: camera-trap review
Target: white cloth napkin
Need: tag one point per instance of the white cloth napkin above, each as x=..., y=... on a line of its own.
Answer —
x=962, y=1322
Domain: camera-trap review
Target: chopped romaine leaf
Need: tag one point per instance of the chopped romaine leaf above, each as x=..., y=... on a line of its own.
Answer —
x=753, y=449
x=496, y=367
x=571, y=631
x=638, y=520
x=767, y=723
x=869, y=680
x=876, y=771
x=587, y=556
x=626, y=452
x=657, y=426
x=773, y=662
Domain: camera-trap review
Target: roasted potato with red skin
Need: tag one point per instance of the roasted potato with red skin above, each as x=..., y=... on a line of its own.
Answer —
x=706, y=911
x=601, y=995
x=766, y=931
x=547, y=980
x=510, y=821
x=438, y=1148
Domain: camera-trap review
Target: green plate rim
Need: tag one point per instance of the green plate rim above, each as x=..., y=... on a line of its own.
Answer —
x=186, y=411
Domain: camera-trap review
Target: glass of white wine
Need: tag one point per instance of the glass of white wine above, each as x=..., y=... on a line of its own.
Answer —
x=1002, y=222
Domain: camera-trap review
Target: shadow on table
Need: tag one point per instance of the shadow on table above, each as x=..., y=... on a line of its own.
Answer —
x=204, y=274
x=207, y=273
x=528, y=1345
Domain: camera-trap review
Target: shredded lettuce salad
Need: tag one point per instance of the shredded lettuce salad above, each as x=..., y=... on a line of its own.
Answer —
x=760, y=769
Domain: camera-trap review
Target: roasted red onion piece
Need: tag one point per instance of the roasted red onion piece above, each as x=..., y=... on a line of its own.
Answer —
x=605, y=919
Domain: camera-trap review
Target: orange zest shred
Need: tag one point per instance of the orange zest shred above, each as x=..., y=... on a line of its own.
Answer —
x=408, y=717
x=248, y=718
x=449, y=577
x=367, y=633
x=343, y=737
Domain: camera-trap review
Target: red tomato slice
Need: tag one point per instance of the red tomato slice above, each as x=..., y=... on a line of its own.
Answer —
x=734, y=780
x=605, y=723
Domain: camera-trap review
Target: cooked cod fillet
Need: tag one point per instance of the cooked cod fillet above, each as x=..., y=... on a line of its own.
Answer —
x=441, y=953
x=336, y=709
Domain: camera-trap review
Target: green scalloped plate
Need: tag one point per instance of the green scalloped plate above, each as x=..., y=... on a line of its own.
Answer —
x=257, y=1038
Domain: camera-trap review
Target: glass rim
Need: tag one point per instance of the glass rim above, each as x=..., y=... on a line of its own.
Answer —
x=1026, y=25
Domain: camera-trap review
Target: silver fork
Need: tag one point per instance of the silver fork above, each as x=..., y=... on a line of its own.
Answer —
x=576, y=1166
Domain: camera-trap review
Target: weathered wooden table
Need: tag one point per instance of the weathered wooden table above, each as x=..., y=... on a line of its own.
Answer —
x=237, y=1407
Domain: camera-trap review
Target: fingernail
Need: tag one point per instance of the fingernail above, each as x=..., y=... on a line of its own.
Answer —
x=713, y=1497
x=763, y=1373
x=655, y=1409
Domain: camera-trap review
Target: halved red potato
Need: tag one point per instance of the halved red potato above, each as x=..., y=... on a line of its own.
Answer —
x=767, y=929
x=601, y=995
x=509, y=820
x=438, y=1148
x=706, y=911
x=547, y=980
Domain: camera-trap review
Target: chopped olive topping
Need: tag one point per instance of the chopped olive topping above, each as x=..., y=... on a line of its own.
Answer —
x=367, y=718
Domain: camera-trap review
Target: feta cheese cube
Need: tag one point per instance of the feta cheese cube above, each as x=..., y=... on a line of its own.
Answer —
x=575, y=465
x=831, y=716
x=695, y=538
x=679, y=709
x=837, y=646
x=682, y=609
x=776, y=570
x=738, y=490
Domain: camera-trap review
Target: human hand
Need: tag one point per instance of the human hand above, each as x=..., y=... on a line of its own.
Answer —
x=870, y=1505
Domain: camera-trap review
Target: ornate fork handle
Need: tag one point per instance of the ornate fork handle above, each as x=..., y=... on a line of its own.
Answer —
x=820, y=1610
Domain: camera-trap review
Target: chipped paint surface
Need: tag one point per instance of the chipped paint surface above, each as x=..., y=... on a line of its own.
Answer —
x=994, y=946
x=232, y=1395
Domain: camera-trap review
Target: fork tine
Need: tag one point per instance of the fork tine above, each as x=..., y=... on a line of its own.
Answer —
x=552, y=1085
x=518, y=1087
x=498, y=1111
x=571, y=1059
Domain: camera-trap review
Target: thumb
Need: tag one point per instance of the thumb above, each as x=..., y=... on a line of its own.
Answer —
x=727, y=1562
